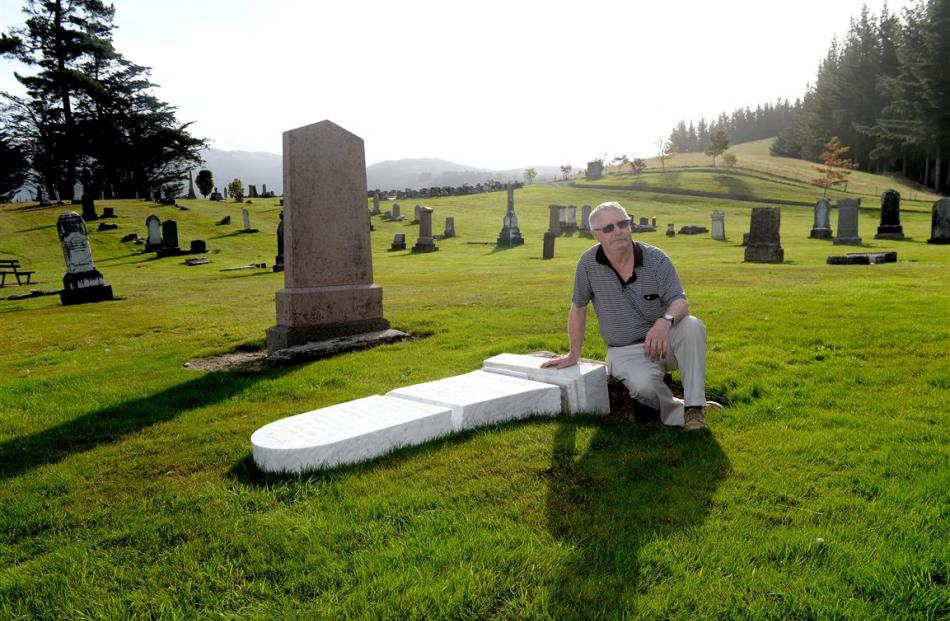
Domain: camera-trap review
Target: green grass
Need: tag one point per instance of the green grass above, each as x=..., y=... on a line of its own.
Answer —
x=127, y=487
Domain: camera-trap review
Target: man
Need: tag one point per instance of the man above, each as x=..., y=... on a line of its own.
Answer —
x=644, y=319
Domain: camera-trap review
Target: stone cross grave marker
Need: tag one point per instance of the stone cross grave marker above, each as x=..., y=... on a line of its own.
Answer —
x=848, y=223
x=328, y=265
x=764, y=239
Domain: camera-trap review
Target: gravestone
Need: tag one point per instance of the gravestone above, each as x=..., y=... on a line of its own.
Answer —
x=585, y=219
x=595, y=170
x=890, y=227
x=279, y=258
x=480, y=398
x=154, y=239
x=718, y=225
x=822, y=226
x=940, y=222
x=670, y=230
x=554, y=220
x=425, y=243
x=252, y=191
x=376, y=211
x=547, y=249
x=583, y=386
x=571, y=219
x=764, y=236
x=246, y=215
x=644, y=221
x=224, y=193
x=415, y=214
x=449, y=227
x=399, y=242
x=89, y=208
x=395, y=212
x=108, y=212
x=77, y=194
x=347, y=433
x=693, y=229
x=328, y=265
x=848, y=223
x=191, y=187
x=653, y=223
x=107, y=226
x=510, y=235
x=223, y=221
x=864, y=258
x=169, y=240
x=82, y=282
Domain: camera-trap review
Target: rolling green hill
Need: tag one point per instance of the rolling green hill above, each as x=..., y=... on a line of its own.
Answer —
x=127, y=489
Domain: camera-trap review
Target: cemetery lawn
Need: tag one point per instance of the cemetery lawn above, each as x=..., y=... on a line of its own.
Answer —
x=127, y=489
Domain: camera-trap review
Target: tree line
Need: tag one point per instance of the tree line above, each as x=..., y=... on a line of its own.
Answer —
x=743, y=125
x=884, y=91
x=89, y=114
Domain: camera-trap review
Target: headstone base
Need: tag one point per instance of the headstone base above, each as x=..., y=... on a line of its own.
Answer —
x=848, y=241
x=764, y=253
x=890, y=232
x=939, y=240
x=424, y=244
x=168, y=252
x=510, y=239
x=86, y=295
x=281, y=336
x=317, y=350
x=820, y=234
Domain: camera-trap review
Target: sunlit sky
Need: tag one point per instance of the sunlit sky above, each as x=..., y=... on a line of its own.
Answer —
x=491, y=84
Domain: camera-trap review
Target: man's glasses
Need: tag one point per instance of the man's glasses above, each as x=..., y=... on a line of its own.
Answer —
x=623, y=224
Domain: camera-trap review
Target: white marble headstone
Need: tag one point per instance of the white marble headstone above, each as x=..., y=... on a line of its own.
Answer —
x=583, y=386
x=481, y=398
x=347, y=433
x=247, y=219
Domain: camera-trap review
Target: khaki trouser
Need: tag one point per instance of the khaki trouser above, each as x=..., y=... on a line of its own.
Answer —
x=643, y=377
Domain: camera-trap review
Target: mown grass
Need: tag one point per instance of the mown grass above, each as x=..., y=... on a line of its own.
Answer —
x=820, y=492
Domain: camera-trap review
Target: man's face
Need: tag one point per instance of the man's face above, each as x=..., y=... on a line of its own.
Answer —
x=618, y=236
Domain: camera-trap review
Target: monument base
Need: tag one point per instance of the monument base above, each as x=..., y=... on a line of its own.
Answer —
x=890, y=232
x=425, y=244
x=939, y=240
x=820, y=234
x=282, y=337
x=848, y=241
x=331, y=347
x=764, y=253
x=86, y=295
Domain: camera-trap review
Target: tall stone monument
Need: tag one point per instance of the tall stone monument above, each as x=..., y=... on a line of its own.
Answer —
x=848, y=223
x=890, y=227
x=328, y=264
x=764, y=240
x=510, y=235
x=191, y=187
x=425, y=243
x=940, y=222
x=822, y=227
x=82, y=282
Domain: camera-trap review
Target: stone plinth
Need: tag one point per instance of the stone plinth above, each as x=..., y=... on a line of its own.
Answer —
x=347, y=433
x=583, y=386
x=480, y=398
x=328, y=266
x=764, y=244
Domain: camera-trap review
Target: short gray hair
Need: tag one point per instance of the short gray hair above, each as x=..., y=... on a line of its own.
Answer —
x=614, y=205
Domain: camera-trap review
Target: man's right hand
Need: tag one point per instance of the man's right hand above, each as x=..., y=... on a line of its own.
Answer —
x=561, y=363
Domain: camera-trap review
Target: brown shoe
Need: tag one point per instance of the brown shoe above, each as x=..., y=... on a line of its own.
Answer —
x=694, y=418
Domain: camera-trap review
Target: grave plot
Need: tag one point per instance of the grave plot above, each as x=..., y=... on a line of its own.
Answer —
x=583, y=386
x=347, y=433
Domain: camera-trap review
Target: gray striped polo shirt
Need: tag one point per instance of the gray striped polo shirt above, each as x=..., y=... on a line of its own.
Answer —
x=627, y=310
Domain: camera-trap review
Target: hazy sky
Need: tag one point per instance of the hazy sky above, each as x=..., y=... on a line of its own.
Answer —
x=494, y=84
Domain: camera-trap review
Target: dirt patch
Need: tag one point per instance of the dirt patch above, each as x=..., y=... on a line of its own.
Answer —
x=235, y=361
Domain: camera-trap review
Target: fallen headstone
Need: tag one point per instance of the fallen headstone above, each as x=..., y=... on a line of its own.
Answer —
x=583, y=386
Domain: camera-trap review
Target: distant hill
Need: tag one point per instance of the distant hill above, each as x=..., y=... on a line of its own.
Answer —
x=426, y=173
x=251, y=167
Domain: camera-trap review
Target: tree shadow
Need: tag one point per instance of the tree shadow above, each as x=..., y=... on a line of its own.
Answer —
x=733, y=185
x=111, y=424
x=633, y=485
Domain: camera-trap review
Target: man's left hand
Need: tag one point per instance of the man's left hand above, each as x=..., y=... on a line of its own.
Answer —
x=657, y=342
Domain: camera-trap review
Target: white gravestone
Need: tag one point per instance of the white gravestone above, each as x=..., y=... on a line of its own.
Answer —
x=583, y=386
x=154, y=225
x=247, y=219
x=481, y=398
x=347, y=433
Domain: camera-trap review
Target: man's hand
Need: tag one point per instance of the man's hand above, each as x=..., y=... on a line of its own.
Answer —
x=561, y=363
x=657, y=342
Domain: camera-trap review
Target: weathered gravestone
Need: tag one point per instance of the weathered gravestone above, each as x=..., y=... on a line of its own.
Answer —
x=415, y=214
x=670, y=230
x=449, y=228
x=169, y=240
x=554, y=220
x=399, y=242
x=644, y=221
x=425, y=243
x=252, y=191
x=595, y=170
x=82, y=282
x=718, y=225
x=547, y=249
x=108, y=212
x=77, y=194
x=279, y=259
x=246, y=215
x=584, y=225
x=375, y=211
x=653, y=222
x=848, y=223
x=940, y=222
x=89, y=208
x=890, y=227
x=863, y=258
x=328, y=265
x=510, y=235
x=822, y=226
x=154, y=239
x=570, y=221
x=396, y=213
x=764, y=244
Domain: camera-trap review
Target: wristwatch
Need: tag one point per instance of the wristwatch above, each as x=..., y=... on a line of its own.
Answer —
x=669, y=318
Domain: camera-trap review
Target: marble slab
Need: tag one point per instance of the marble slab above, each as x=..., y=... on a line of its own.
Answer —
x=347, y=433
x=481, y=398
x=583, y=386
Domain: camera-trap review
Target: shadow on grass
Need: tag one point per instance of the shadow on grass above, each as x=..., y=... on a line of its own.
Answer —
x=733, y=185
x=111, y=424
x=633, y=485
